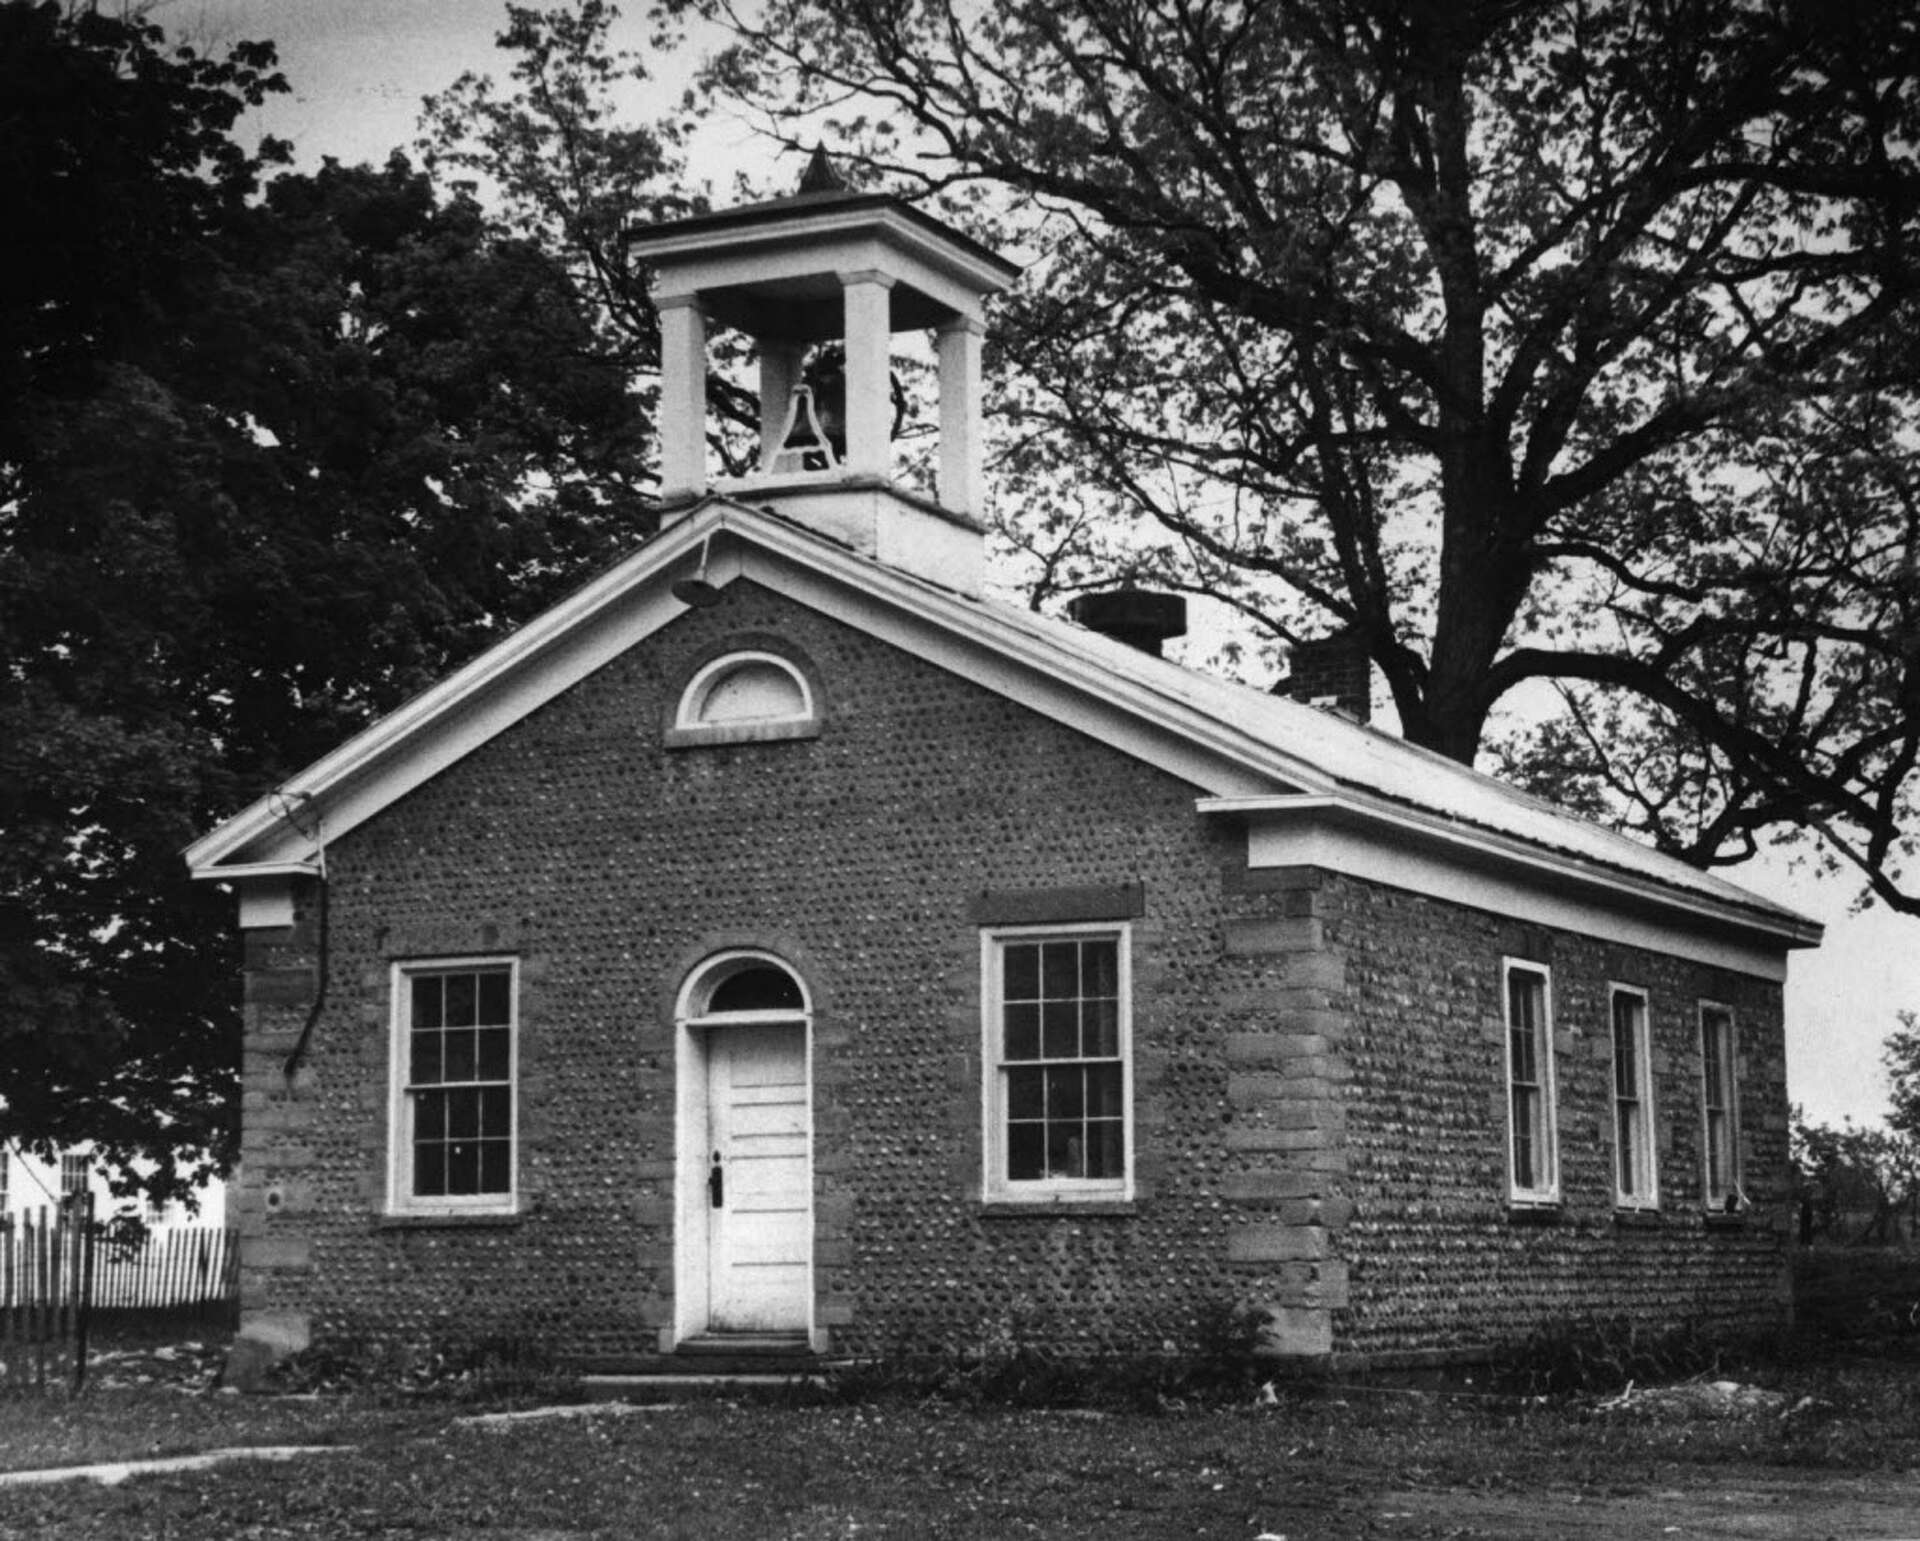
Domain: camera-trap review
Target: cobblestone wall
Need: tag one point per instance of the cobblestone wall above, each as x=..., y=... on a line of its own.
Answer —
x=1316, y=1084
x=1435, y=1257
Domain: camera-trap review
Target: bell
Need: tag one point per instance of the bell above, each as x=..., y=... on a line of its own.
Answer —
x=806, y=444
x=827, y=380
x=814, y=435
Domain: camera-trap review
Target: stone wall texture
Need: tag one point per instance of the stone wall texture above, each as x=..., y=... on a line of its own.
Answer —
x=1317, y=1062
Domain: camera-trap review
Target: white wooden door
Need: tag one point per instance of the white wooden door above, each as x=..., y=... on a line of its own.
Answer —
x=760, y=1210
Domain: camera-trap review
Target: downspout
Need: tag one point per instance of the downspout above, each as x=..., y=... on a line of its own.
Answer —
x=299, y=1050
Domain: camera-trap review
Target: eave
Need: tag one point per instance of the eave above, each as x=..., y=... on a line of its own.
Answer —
x=1349, y=831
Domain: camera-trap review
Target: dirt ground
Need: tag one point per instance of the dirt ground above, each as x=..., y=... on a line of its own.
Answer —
x=1752, y=1504
x=1827, y=1452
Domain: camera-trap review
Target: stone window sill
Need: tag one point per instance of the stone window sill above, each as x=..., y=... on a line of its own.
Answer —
x=1534, y=1214
x=479, y=1220
x=711, y=736
x=1637, y=1219
x=1055, y=1209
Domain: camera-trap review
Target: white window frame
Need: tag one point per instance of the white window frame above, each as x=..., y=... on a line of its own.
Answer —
x=693, y=700
x=1645, y=1193
x=76, y=1172
x=401, y=1199
x=1544, y=1133
x=1716, y=1198
x=996, y=1186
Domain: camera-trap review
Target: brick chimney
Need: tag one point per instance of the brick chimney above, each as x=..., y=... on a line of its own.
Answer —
x=1141, y=618
x=1332, y=671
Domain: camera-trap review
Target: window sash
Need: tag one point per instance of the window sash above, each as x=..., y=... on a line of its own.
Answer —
x=1058, y=1116
x=455, y=1118
x=1636, y=1168
x=1532, y=1155
x=1719, y=1111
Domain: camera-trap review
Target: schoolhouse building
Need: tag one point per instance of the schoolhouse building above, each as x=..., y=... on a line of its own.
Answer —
x=784, y=945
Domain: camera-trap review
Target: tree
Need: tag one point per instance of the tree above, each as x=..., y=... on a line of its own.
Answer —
x=1845, y=1173
x=1854, y=1176
x=116, y=157
x=270, y=462
x=1901, y=1057
x=1562, y=344
x=571, y=173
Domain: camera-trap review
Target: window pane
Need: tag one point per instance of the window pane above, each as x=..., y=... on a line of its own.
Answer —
x=1716, y=1031
x=1520, y=1002
x=1023, y=1031
x=1106, y=1148
x=463, y=1114
x=1100, y=966
x=496, y=999
x=496, y=1112
x=1026, y=1093
x=1523, y=1063
x=462, y=1004
x=429, y=1170
x=1100, y=1025
x=753, y=690
x=1062, y=1030
x=1523, y=1166
x=1026, y=1152
x=461, y=1054
x=1066, y=1151
x=1060, y=970
x=1066, y=1093
x=495, y=1164
x=424, y=1066
x=761, y=987
x=463, y=1167
x=1626, y=1047
x=427, y=1010
x=1103, y=1091
x=1023, y=972
x=1627, y=1135
x=430, y=1116
x=496, y=1052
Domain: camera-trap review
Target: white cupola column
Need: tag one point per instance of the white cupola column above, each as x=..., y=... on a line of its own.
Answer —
x=779, y=374
x=962, y=461
x=868, y=301
x=683, y=396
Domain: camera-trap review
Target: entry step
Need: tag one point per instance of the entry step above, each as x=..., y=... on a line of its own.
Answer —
x=745, y=1345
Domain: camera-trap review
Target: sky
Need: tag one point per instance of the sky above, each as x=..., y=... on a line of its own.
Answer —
x=359, y=69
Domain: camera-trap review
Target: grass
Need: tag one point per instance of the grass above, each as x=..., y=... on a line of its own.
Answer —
x=1326, y=1463
x=969, y=1454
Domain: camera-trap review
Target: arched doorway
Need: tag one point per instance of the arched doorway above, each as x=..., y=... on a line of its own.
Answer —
x=743, y=1253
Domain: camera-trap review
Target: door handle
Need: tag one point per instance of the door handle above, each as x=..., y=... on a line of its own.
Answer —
x=716, y=1184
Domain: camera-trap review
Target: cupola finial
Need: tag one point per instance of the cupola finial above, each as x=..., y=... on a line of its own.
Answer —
x=820, y=177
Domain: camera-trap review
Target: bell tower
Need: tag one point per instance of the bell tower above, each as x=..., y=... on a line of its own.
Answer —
x=830, y=266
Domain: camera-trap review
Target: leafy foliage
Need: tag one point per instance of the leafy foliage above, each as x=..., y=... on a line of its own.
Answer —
x=1857, y=1182
x=270, y=462
x=1563, y=352
x=571, y=171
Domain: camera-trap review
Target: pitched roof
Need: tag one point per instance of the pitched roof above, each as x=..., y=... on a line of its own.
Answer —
x=1244, y=750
